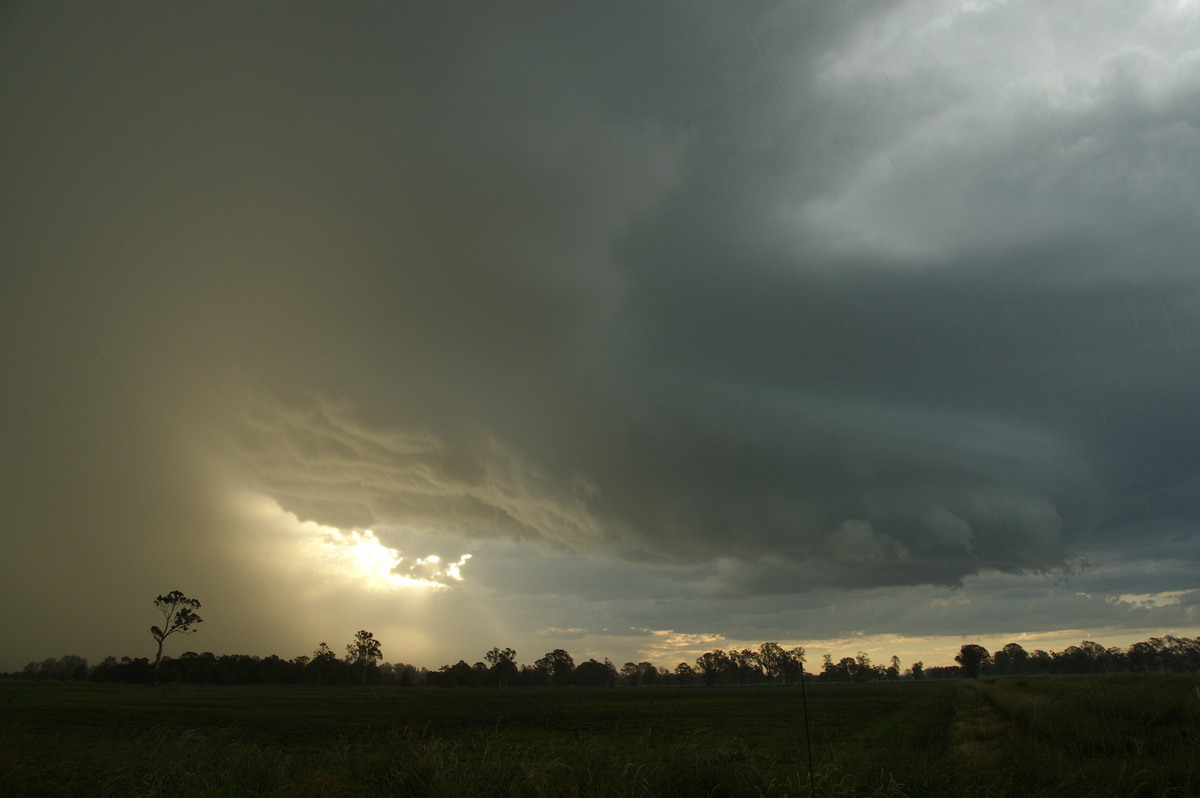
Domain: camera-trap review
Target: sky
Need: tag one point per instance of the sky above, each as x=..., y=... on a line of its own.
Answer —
x=634, y=329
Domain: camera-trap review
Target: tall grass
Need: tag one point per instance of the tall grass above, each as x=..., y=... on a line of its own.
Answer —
x=1120, y=734
x=1052, y=736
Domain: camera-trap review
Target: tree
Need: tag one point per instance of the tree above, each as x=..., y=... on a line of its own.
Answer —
x=325, y=667
x=744, y=665
x=774, y=661
x=684, y=673
x=1010, y=659
x=973, y=659
x=558, y=665
x=794, y=666
x=863, y=670
x=364, y=652
x=713, y=665
x=595, y=674
x=503, y=664
x=179, y=615
x=632, y=673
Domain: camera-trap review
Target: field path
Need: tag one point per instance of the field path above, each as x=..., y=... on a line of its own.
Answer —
x=980, y=730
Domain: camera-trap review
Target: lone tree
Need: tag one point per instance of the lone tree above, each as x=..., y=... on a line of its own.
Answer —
x=364, y=651
x=179, y=615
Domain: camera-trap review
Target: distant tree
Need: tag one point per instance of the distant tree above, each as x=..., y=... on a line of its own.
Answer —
x=532, y=676
x=1040, y=661
x=684, y=673
x=399, y=673
x=71, y=666
x=1142, y=657
x=743, y=665
x=460, y=674
x=651, y=674
x=595, y=674
x=1087, y=657
x=632, y=673
x=841, y=671
x=893, y=671
x=179, y=615
x=1011, y=659
x=973, y=659
x=197, y=668
x=558, y=666
x=795, y=665
x=917, y=670
x=503, y=664
x=943, y=672
x=863, y=670
x=779, y=664
x=106, y=671
x=324, y=666
x=643, y=673
x=713, y=666
x=363, y=652
x=774, y=661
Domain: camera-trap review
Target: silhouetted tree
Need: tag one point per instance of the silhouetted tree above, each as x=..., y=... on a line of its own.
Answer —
x=863, y=670
x=848, y=669
x=713, y=666
x=558, y=665
x=503, y=665
x=325, y=667
x=399, y=673
x=1011, y=659
x=640, y=673
x=363, y=652
x=744, y=666
x=533, y=676
x=460, y=674
x=71, y=666
x=685, y=673
x=973, y=659
x=774, y=661
x=1039, y=661
x=179, y=615
x=595, y=674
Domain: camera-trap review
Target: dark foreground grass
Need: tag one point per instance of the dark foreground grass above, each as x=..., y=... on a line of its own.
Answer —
x=1050, y=736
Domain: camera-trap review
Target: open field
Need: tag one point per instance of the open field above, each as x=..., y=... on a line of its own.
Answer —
x=1079, y=736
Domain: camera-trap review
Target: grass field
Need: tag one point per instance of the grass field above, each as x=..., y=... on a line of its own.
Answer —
x=1077, y=736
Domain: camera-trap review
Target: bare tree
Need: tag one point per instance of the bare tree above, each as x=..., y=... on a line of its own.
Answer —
x=179, y=615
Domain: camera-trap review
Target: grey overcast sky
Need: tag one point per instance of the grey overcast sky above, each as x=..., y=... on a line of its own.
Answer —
x=636, y=329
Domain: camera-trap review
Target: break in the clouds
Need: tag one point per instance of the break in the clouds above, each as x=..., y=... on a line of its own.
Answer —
x=667, y=324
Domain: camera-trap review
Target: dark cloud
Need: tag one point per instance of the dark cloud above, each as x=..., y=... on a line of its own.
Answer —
x=704, y=304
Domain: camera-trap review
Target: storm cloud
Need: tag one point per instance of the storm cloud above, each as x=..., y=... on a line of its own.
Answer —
x=702, y=307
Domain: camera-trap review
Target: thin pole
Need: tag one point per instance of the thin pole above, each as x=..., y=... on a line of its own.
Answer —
x=812, y=787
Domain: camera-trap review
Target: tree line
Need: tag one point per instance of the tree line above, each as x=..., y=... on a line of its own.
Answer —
x=557, y=668
x=769, y=663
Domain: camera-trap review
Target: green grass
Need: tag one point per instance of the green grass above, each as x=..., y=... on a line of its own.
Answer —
x=1048, y=736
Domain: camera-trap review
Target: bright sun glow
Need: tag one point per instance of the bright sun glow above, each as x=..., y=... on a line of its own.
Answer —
x=383, y=566
x=358, y=555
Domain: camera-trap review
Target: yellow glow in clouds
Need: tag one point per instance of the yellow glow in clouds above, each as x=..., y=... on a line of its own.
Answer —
x=383, y=566
x=357, y=556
